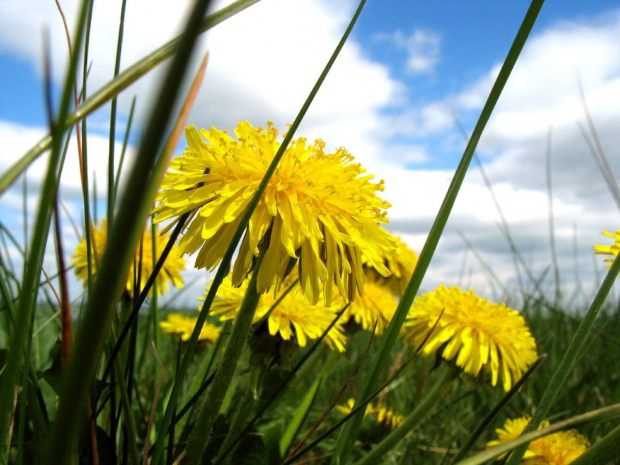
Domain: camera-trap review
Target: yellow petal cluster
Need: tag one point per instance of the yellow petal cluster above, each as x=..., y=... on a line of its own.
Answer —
x=609, y=249
x=319, y=208
x=376, y=306
x=401, y=262
x=293, y=318
x=183, y=326
x=559, y=448
x=472, y=331
x=379, y=413
x=170, y=272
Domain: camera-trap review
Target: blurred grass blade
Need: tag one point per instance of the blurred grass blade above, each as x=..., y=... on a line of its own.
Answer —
x=349, y=433
x=134, y=206
x=605, y=450
x=591, y=418
x=32, y=269
x=117, y=85
x=573, y=352
x=498, y=408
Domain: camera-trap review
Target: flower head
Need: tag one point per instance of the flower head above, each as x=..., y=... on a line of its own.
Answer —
x=401, y=262
x=559, y=448
x=381, y=415
x=170, y=272
x=318, y=208
x=183, y=326
x=477, y=333
x=609, y=249
x=293, y=318
x=376, y=306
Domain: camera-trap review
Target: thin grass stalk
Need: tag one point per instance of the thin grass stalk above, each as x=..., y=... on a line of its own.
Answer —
x=497, y=409
x=32, y=268
x=226, y=258
x=115, y=86
x=568, y=361
x=112, y=138
x=350, y=432
x=413, y=419
x=552, y=247
x=125, y=144
x=594, y=417
x=134, y=205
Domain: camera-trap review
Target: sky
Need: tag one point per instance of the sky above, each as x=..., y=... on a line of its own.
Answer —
x=411, y=74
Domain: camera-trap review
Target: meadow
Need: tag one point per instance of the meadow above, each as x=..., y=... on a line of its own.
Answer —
x=314, y=342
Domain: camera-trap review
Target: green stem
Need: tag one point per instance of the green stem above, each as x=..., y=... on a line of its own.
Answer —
x=423, y=409
x=208, y=410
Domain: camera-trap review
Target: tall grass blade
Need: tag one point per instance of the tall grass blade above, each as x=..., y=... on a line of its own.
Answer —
x=134, y=206
x=351, y=429
x=570, y=357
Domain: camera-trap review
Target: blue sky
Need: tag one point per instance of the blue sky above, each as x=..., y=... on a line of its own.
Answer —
x=391, y=99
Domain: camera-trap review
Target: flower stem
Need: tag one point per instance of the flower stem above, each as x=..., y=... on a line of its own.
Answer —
x=208, y=410
x=423, y=409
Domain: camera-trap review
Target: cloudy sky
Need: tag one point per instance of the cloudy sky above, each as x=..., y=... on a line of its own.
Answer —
x=409, y=75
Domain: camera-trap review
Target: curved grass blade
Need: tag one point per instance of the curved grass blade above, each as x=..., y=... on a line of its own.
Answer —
x=134, y=206
x=591, y=418
x=351, y=430
x=604, y=451
x=568, y=361
x=117, y=85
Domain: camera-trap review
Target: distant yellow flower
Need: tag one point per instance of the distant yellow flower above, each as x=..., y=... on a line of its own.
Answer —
x=170, y=272
x=380, y=414
x=609, y=249
x=317, y=207
x=377, y=305
x=478, y=333
x=183, y=326
x=401, y=262
x=559, y=448
x=293, y=318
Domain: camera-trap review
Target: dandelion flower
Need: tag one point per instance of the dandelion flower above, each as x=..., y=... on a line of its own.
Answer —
x=401, y=262
x=183, y=326
x=319, y=208
x=381, y=415
x=609, y=249
x=472, y=331
x=170, y=272
x=376, y=306
x=293, y=318
x=559, y=448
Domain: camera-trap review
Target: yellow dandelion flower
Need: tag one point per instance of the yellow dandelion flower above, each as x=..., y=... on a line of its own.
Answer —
x=477, y=333
x=318, y=207
x=376, y=306
x=293, y=318
x=170, y=272
x=183, y=326
x=401, y=262
x=559, y=448
x=609, y=249
x=381, y=415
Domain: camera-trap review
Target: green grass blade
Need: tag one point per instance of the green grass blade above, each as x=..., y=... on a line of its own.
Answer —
x=604, y=451
x=570, y=357
x=116, y=86
x=349, y=433
x=134, y=206
x=591, y=418
x=32, y=268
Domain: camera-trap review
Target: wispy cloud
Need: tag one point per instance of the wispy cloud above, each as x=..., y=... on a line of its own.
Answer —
x=422, y=47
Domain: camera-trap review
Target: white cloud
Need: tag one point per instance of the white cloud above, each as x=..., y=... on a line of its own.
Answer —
x=423, y=48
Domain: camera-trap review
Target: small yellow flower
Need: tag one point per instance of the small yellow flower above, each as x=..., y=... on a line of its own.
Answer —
x=376, y=306
x=559, y=448
x=477, y=333
x=609, y=249
x=170, y=272
x=293, y=318
x=183, y=326
x=381, y=415
x=319, y=208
